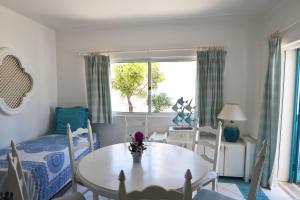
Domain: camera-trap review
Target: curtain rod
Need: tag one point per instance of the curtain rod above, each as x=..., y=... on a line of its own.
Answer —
x=289, y=27
x=279, y=32
x=149, y=50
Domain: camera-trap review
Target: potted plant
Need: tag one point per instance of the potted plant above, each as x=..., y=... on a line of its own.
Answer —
x=137, y=146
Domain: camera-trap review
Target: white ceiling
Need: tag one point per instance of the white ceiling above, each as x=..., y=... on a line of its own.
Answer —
x=75, y=13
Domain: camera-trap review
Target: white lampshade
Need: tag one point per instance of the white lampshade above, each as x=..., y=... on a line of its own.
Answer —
x=232, y=112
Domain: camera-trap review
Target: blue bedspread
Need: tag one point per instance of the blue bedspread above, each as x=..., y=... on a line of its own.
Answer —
x=46, y=164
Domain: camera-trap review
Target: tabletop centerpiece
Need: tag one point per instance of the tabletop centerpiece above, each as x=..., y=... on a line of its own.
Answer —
x=137, y=146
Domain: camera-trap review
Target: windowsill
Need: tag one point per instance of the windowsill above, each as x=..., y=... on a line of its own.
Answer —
x=141, y=114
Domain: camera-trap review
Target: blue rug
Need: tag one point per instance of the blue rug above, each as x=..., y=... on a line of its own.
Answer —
x=243, y=187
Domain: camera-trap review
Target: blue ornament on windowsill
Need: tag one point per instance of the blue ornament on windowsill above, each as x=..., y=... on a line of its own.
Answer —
x=232, y=112
x=184, y=118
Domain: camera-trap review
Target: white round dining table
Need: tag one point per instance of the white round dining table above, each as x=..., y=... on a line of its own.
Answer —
x=162, y=164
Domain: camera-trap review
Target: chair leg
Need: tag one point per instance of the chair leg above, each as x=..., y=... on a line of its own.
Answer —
x=74, y=186
x=215, y=185
x=95, y=196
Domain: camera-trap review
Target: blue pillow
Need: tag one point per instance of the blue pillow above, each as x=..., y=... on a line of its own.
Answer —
x=76, y=116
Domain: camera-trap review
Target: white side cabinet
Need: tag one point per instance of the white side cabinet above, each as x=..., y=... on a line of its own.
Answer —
x=232, y=156
x=250, y=145
x=181, y=137
x=236, y=158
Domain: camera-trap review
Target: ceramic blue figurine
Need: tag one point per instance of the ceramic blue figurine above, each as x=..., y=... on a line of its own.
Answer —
x=182, y=114
x=176, y=120
x=188, y=106
x=175, y=108
x=189, y=120
x=184, y=111
x=180, y=101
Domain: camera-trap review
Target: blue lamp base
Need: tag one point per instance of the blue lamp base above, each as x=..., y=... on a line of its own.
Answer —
x=231, y=133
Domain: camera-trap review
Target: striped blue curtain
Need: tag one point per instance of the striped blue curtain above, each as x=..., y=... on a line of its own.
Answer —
x=97, y=70
x=210, y=72
x=269, y=117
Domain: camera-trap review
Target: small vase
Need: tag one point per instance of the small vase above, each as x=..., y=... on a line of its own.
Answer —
x=137, y=157
x=231, y=133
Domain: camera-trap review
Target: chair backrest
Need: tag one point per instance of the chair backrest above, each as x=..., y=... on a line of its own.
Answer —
x=135, y=123
x=16, y=178
x=257, y=172
x=156, y=192
x=73, y=148
x=215, y=147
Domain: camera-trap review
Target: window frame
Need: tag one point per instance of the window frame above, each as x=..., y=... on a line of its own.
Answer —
x=149, y=93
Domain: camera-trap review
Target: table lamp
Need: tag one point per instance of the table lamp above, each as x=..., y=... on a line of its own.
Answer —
x=231, y=112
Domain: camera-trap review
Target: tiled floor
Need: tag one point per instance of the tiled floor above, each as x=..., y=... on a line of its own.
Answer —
x=227, y=189
x=277, y=194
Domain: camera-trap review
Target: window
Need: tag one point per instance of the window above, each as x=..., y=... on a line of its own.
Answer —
x=130, y=87
x=132, y=91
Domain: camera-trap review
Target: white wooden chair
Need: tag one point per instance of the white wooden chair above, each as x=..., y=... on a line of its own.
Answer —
x=254, y=186
x=73, y=149
x=135, y=123
x=16, y=179
x=156, y=192
x=213, y=175
x=17, y=182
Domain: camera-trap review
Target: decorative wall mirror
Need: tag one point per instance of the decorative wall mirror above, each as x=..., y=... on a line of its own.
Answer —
x=16, y=84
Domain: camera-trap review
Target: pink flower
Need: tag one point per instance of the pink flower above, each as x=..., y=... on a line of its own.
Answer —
x=139, y=136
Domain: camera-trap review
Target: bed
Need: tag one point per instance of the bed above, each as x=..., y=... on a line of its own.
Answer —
x=46, y=164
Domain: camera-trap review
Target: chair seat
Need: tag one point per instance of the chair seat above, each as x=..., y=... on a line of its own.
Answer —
x=74, y=196
x=204, y=194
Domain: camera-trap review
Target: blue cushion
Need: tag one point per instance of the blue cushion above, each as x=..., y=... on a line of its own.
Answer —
x=204, y=194
x=76, y=116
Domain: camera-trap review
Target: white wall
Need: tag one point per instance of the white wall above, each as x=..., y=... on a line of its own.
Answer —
x=241, y=37
x=285, y=17
x=37, y=46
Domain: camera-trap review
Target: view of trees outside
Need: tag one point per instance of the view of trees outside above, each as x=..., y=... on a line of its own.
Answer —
x=170, y=81
x=160, y=102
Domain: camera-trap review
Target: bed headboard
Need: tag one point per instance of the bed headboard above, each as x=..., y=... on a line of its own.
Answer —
x=16, y=83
